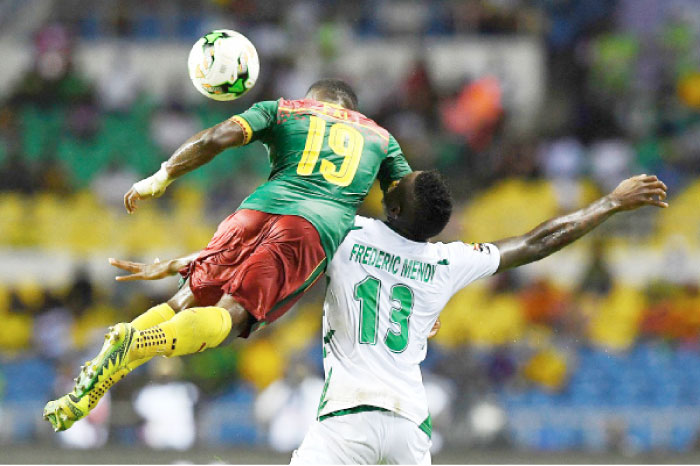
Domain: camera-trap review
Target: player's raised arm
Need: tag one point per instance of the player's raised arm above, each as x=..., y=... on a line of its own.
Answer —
x=203, y=147
x=195, y=152
x=554, y=234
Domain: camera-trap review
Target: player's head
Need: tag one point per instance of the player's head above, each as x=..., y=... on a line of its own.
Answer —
x=420, y=206
x=333, y=91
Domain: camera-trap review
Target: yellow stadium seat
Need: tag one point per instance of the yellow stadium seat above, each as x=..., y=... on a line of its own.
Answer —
x=93, y=323
x=510, y=208
x=475, y=316
x=260, y=363
x=14, y=221
x=547, y=368
x=682, y=217
x=294, y=332
x=616, y=323
x=15, y=332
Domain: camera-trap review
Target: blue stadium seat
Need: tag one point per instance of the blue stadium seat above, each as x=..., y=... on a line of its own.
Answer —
x=666, y=394
x=586, y=394
x=640, y=437
x=28, y=379
x=683, y=437
x=229, y=419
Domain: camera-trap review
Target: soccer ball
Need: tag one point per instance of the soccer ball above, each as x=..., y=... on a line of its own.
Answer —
x=223, y=65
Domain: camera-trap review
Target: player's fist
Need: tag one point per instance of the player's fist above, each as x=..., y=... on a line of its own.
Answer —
x=130, y=199
x=153, y=186
x=639, y=191
x=435, y=329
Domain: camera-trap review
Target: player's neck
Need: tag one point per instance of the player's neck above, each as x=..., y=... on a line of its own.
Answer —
x=403, y=231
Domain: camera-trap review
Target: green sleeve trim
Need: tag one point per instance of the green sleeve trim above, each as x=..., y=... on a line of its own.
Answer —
x=427, y=427
x=353, y=410
x=323, y=402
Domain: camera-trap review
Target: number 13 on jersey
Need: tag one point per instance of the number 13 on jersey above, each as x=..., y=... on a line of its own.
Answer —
x=343, y=140
x=368, y=292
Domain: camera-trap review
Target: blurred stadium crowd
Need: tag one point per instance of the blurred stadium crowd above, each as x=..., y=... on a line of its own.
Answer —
x=595, y=348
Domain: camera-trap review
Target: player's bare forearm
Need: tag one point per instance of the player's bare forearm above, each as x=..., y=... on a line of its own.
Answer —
x=155, y=271
x=203, y=147
x=554, y=234
x=195, y=152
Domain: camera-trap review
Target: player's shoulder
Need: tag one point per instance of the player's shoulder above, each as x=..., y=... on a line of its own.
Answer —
x=460, y=253
x=336, y=112
x=365, y=224
x=267, y=103
x=462, y=247
x=366, y=229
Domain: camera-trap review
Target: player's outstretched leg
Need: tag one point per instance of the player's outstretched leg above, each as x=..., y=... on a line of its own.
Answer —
x=65, y=411
x=126, y=346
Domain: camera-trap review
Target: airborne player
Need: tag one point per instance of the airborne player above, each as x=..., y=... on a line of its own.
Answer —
x=324, y=157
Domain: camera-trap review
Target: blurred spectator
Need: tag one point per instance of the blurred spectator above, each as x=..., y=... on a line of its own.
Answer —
x=290, y=401
x=476, y=112
x=611, y=161
x=118, y=93
x=16, y=175
x=167, y=407
x=597, y=279
x=51, y=326
x=110, y=185
x=172, y=126
x=53, y=78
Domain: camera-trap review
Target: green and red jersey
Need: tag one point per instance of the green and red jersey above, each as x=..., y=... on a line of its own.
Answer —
x=323, y=158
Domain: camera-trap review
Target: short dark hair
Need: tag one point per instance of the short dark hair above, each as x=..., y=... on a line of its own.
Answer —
x=433, y=204
x=337, y=89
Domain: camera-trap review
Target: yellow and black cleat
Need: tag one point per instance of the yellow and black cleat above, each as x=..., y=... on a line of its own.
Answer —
x=95, y=378
x=112, y=358
x=68, y=409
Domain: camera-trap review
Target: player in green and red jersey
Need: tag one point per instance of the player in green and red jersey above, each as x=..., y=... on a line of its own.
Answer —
x=324, y=157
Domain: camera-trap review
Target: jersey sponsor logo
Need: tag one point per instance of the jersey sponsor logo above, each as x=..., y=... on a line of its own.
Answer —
x=481, y=247
x=392, y=263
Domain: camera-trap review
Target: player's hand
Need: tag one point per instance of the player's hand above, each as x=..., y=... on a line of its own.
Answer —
x=639, y=191
x=140, y=271
x=153, y=186
x=130, y=199
x=435, y=329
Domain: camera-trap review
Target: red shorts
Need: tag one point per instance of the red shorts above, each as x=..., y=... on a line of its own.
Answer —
x=265, y=261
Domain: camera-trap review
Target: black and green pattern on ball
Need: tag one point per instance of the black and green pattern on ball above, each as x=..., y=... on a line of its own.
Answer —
x=236, y=88
x=209, y=40
x=213, y=36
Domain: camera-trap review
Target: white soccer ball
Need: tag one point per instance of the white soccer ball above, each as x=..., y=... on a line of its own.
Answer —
x=223, y=65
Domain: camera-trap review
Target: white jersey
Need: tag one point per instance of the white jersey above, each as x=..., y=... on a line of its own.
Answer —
x=384, y=294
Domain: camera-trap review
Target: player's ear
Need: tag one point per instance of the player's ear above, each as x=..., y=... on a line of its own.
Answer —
x=394, y=211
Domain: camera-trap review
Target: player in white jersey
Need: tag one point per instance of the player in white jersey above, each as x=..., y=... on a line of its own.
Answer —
x=387, y=286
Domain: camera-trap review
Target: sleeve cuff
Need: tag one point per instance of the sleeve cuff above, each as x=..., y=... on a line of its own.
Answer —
x=245, y=126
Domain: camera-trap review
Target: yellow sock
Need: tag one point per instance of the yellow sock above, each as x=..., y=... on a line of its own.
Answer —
x=189, y=331
x=153, y=316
